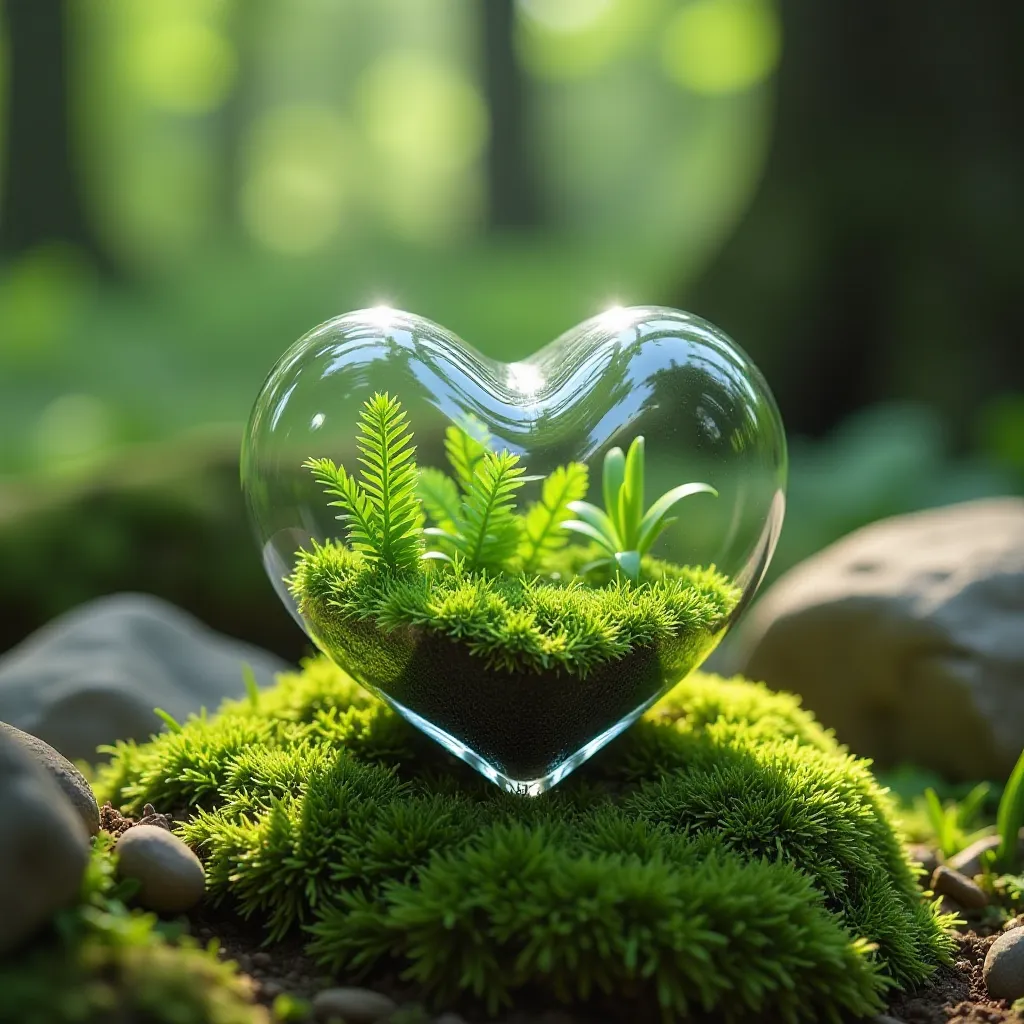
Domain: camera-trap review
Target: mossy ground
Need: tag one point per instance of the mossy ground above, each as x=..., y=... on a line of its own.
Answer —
x=724, y=855
x=102, y=962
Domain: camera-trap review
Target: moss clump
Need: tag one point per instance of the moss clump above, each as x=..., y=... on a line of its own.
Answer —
x=512, y=622
x=104, y=962
x=724, y=855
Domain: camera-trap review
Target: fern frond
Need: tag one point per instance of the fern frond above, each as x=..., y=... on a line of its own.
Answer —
x=389, y=479
x=489, y=529
x=464, y=453
x=440, y=497
x=541, y=533
x=357, y=513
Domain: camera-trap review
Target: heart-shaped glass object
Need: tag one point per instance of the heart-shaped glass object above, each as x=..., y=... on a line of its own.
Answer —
x=519, y=558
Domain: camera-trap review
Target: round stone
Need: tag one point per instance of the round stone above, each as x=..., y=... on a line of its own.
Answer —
x=1004, y=966
x=958, y=887
x=43, y=846
x=352, y=1005
x=171, y=876
x=71, y=781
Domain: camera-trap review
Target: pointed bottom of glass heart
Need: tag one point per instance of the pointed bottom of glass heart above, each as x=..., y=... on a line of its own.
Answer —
x=521, y=787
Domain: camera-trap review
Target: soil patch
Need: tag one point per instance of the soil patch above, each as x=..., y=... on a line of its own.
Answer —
x=956, y=995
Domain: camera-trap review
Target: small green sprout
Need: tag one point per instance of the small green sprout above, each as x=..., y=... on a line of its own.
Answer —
x=952, y=823
x=1010, y=818
x=622, y=528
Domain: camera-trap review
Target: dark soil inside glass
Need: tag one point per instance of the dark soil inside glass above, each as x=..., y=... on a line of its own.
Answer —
x=523, y=723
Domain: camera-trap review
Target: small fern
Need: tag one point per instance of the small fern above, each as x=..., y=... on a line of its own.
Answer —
x=356, y=510
x=487, y=531
x=464, y=453
x=381, y=510
x=439, y=495
x=541, y=534
x=389, y=478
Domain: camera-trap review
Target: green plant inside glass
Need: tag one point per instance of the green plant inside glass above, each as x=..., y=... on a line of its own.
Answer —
x=443, y=579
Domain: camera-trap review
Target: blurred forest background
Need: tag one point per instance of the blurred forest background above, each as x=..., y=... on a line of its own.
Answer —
x=186, y=186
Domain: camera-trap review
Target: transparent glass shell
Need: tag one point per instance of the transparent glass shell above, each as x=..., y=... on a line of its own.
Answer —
x=703, y=408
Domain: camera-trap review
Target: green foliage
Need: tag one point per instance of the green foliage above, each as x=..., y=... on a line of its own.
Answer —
x=513, y=621
x=1010, y=819
x=952, y=824
x=723, y=855
x=104, y=962
x=507, y=585
x=474, y=512
x=381, y=510
x=439, y=495
x=622, y=530
x=485, y=530
x=542, y=537
x=518, y=904
x=464, y=452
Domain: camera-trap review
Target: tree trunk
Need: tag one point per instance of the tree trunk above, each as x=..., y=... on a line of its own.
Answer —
x=42, y=197
x=878, y=260
x=511, y=173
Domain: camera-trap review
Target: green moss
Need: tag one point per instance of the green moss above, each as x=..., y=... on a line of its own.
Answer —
x=722, y=855
x=513, y=623
x=104, y=962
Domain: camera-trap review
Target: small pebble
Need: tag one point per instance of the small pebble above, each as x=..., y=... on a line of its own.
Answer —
x=44, y=847
x=884, y=1018
x=449, y=1018
x=959, y=888
x=261, y=959
x=1004, y=966
x=271, y=989
x=352, y=1005
x=244, y=962
x=171, y=876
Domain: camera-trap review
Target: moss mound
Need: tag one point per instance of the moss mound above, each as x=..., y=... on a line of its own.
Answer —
x=106, y=963
x=724, y=855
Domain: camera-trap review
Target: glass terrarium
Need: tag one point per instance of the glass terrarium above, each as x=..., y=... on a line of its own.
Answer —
x=519, y=558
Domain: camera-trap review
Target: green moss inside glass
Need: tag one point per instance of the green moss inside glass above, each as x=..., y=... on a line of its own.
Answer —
x=521, y=640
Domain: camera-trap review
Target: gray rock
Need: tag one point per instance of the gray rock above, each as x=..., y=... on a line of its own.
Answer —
x=171, y=876
x=959, y=888
x=94, y=675
x=906, y=638
x=1004, y=966
x=44, y=847
x=72, y=782
x=352, y=1005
